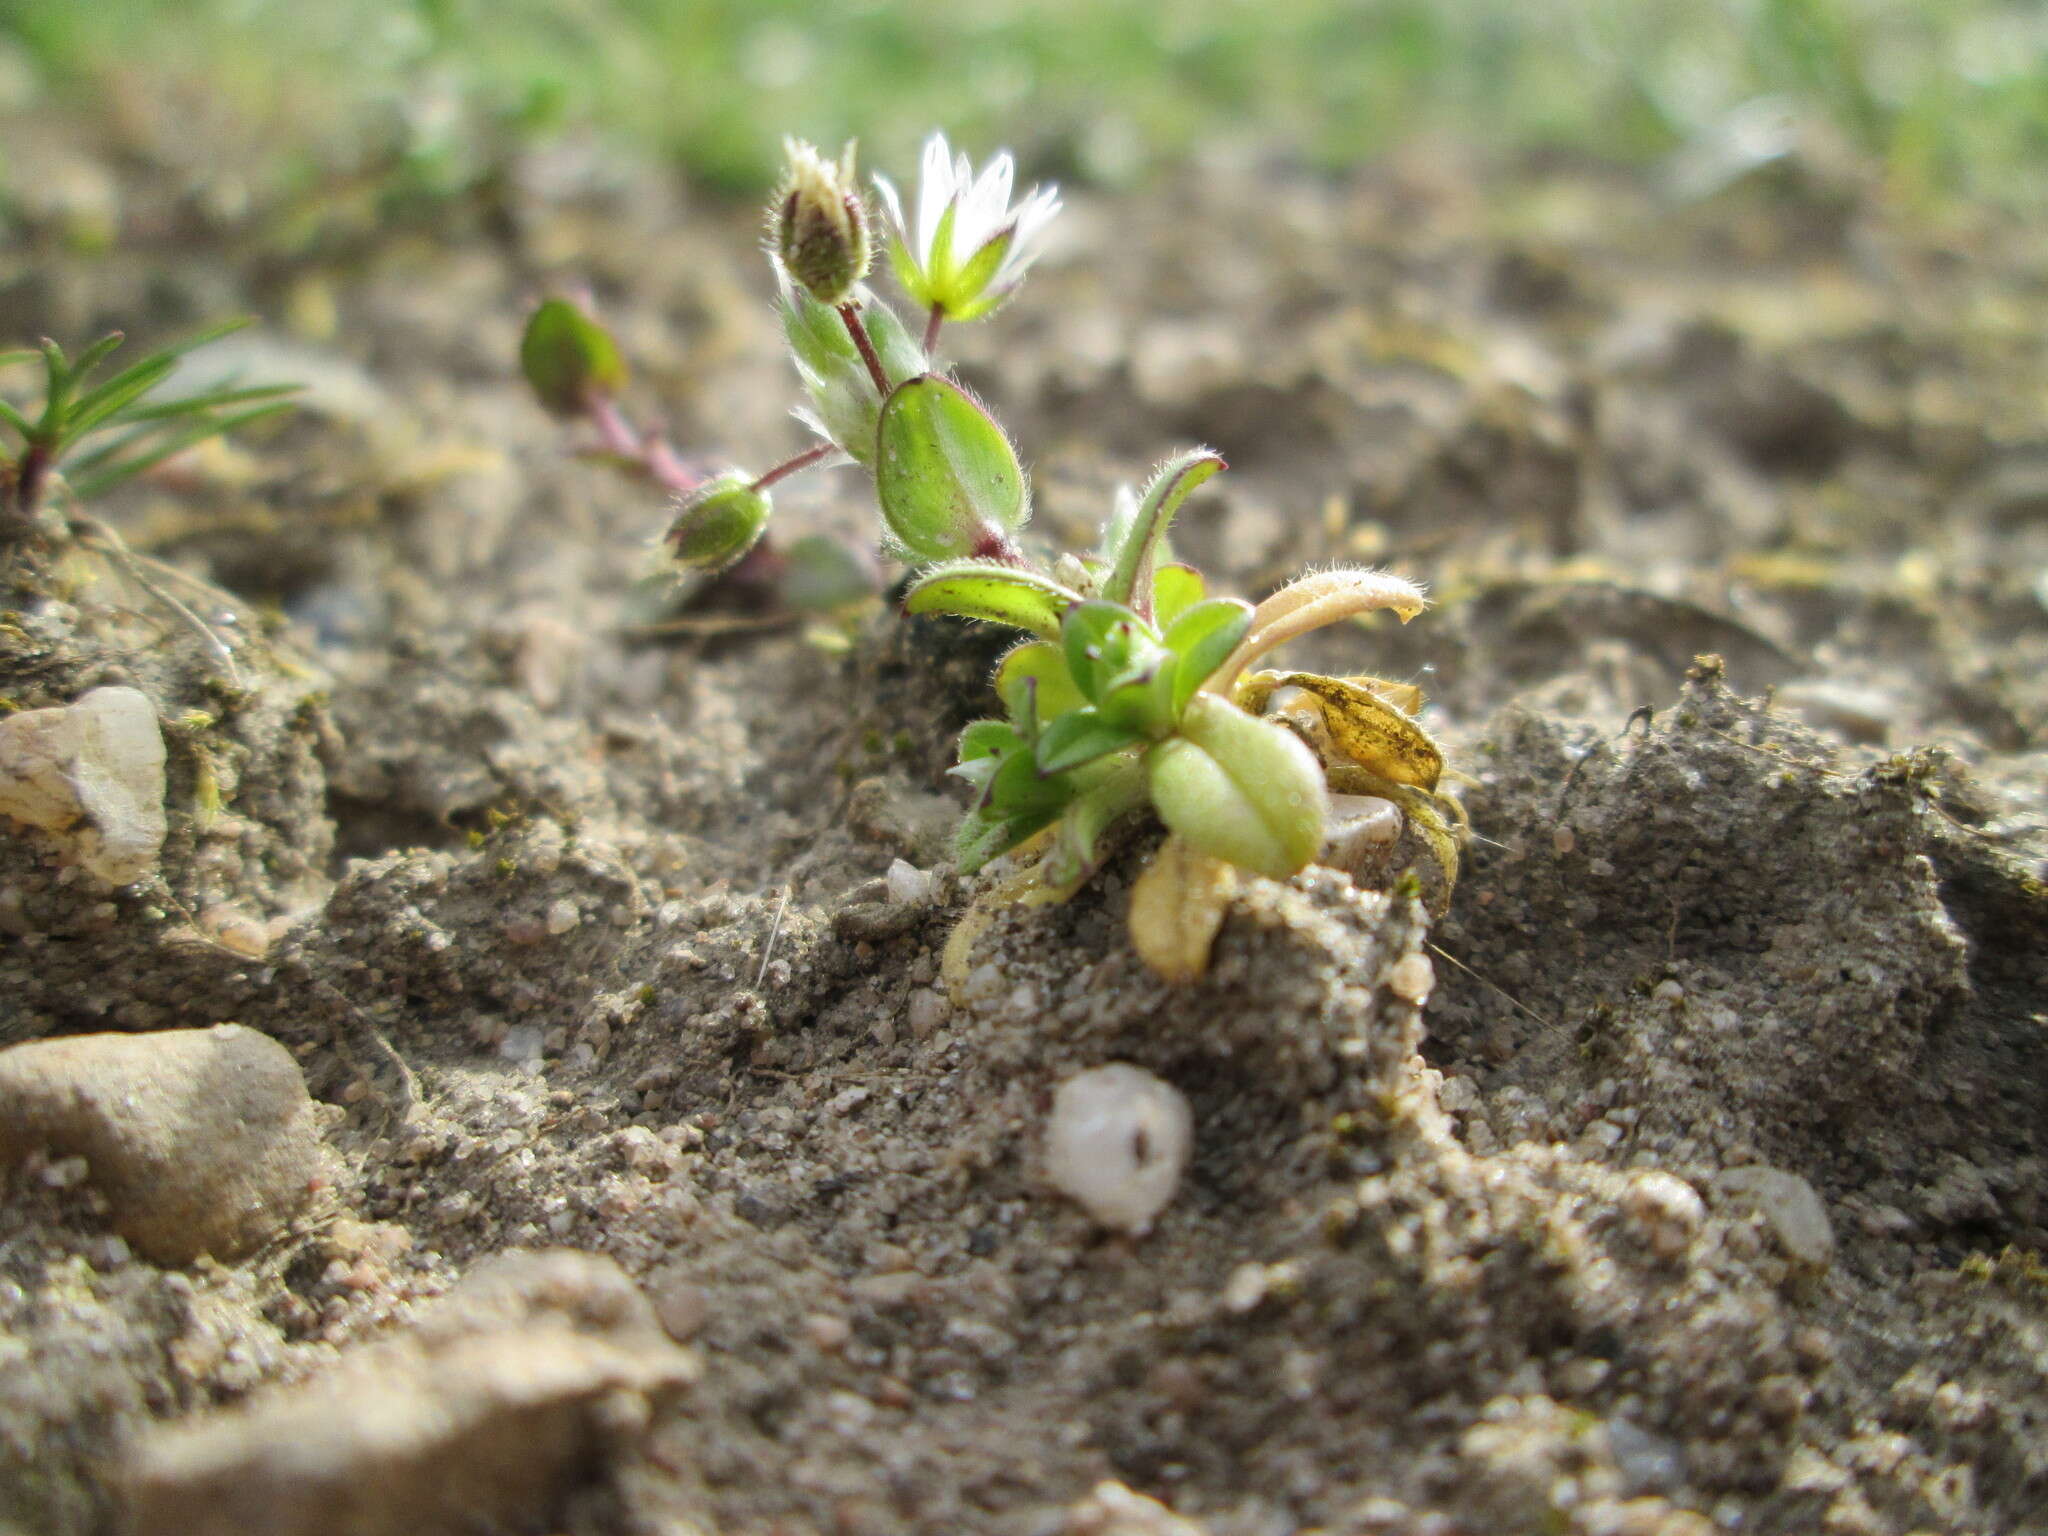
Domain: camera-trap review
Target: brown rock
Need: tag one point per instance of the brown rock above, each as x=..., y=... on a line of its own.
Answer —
x=203, y=1141
x=483, y=1416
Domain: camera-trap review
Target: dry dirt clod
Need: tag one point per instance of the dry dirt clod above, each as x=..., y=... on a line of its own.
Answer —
x=202, y=1141
x=486, y=1415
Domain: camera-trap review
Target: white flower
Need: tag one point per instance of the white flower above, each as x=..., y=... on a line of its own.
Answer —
x=970, y=248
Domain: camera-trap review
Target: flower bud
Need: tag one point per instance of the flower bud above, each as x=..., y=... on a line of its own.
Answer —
x=569, y=359
x=719, y=522
x=820, y=228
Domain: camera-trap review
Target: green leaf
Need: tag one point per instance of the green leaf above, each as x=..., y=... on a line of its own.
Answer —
x=1141, y=697
x=1087, y=640
x=16, y=420
x=822, y=575
x=157, y=365
x=1239, y=789
x=1000, y=594
x=94, y=408
x=89, y=486
x=985, y=834
x=946, y=476
x=1130, y=576
x=210, y=401
x=1080, y=736
x=1040, y=667
x=1202, y=639
x=1175, y=589
x=988, y=738
x=569, y=359
x=94, y=355
x=1074, y=856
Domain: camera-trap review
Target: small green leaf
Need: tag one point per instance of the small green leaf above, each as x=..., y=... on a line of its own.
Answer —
x=946, y=476
x=1080, y=736
x=1040, y=667
x=1141, y=697
x=985, y=834
x=1117, y=790
x=569, y=359
x=988, y=738
x=1202, y=639
x=1000, y=594
x=1175, y=589
x=1239, y=789
x=86, y=487
x=1130, y=577
x=94, y=355
x=719, y=522
x=822, y=575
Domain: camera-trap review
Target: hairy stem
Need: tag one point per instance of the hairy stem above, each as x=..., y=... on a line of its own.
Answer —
x=795, y=465
x=859, y=332
x=931, y=329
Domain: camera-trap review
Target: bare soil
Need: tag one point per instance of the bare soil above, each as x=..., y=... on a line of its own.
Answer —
x=1736, y=516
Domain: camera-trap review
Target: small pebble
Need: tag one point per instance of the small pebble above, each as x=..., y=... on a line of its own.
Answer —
x=1117, y=1142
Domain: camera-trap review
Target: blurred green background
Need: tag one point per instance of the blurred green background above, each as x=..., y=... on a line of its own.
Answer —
x=1943, y=98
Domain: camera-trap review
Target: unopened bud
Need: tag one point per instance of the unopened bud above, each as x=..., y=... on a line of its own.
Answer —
x=820, y=228
x=569, y=359
x=719, y=522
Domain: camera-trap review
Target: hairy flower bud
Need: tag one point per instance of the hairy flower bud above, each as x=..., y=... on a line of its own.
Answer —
x=820, y=229
x=719, y=522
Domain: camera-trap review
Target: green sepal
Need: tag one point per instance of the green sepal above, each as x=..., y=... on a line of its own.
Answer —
x=1201, y=640
x=989, y=590
x=569, y=359
x=719, y=522
x=831, y=369
x=1130, y=577
x=1239, y=789
x=947, y=478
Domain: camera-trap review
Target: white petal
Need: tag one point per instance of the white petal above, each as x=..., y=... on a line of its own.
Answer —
x=892, y=210
x=934, y=191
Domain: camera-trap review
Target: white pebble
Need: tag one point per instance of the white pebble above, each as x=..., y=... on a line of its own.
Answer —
x=562, y=916
x=909, y=885
x=1117, y=1143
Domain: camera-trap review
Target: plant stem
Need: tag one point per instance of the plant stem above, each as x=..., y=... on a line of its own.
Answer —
x=851, y=315
x=613, y=429
x=931, y=329
x=28, y=481
x=794, y=465
x=656, y=459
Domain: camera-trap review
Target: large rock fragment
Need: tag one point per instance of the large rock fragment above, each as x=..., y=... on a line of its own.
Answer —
x=483, y=1417
x=203, y=1141
x=92, y=774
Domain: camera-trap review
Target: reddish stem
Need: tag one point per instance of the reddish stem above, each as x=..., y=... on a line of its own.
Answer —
x=851, y=315
x=931, y=329
x=795, y=465
x=656, y=459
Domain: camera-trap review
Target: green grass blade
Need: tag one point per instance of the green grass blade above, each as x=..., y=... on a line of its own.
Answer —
x=94, y=355
x=114, y=474
x=212, y=400
x=16, y=420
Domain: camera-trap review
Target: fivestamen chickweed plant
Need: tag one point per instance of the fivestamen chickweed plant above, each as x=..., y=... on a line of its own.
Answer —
x=1131, y=690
